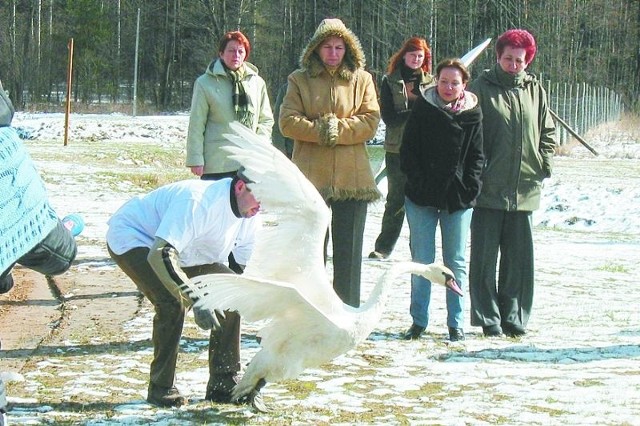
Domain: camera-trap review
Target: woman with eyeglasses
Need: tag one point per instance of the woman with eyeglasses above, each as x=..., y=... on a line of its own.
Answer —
x=441, y=156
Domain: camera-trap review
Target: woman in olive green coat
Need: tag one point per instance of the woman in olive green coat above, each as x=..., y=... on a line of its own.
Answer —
x=408, y=75
x=518, y=145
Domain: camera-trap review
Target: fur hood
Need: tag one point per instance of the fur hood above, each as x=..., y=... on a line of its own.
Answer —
x=354, y=58
x=6, y=108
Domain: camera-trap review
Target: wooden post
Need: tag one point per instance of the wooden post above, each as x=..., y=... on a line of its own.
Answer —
x=69, y=80
x=573, y=132
x=135, y=67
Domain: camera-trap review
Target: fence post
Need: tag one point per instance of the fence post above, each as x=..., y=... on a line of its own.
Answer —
x=69, y=80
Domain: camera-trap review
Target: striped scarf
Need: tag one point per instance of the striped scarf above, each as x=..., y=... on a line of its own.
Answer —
x=456, y=105
x=452, y=107
x=239, y=97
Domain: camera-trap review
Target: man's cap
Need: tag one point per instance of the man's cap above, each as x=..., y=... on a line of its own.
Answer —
x=240, y=174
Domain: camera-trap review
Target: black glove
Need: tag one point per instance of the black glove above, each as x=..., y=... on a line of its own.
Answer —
x=206, y=318
x=6, y=283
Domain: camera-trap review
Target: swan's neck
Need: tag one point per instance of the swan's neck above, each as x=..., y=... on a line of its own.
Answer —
x=370, y=312
x=382, y=289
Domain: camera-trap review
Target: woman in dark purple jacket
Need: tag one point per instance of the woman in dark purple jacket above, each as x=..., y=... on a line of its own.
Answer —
x=441, y=155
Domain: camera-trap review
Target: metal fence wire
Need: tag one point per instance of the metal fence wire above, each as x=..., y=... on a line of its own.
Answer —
x=582, y=107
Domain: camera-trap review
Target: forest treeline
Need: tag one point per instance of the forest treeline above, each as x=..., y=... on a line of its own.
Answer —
x=596, y=42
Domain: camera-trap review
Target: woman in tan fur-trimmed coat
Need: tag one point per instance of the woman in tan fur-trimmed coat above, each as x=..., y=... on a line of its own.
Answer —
x=331, y=110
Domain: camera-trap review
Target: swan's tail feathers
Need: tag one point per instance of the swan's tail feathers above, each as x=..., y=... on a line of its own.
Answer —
x=451, y=283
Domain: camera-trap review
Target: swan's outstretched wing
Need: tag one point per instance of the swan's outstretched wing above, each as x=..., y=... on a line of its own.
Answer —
x=298, y=335
x=290, y=245
x=255, y=298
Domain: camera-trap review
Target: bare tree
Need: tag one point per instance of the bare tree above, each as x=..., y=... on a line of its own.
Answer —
x=591, y=41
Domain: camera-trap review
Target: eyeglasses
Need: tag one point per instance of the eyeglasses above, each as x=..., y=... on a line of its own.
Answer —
x=453, y=84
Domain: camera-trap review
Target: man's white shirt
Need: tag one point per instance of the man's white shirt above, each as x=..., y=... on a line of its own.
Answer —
x=194, y=216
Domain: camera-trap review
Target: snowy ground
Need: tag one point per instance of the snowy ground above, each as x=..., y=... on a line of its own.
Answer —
x=579, y=363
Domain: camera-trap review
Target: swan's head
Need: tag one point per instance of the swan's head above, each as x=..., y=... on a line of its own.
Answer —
x=451, y=283
x=439, y=274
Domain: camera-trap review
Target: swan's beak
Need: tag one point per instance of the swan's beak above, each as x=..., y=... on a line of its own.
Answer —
x=452, y=285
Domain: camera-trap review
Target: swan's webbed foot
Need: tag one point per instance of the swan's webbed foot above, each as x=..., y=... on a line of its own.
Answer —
x=254, y=398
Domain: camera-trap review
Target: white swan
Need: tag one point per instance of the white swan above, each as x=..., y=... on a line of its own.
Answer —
x=285, y=279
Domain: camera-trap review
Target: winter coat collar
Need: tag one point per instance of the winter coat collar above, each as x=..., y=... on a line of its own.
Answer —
x=216, y=68
x=431, y=96
x=425, y=78
x=498, y=77
x=354, y=57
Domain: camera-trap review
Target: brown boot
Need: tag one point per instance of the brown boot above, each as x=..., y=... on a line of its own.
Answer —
x=220, y=386
x=165, y=397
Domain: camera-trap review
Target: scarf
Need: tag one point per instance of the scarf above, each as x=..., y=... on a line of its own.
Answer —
x=410, y=75
x=452, y=107
x=331, y=70
x=412, y=79
x=456, y=105
x=509, y=80
x=239, y=97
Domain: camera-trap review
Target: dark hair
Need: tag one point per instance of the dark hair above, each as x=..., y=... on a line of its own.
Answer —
x=517, y=38
x=411, y=45
x=453, y=63
x=240, y=175
x=237, y=36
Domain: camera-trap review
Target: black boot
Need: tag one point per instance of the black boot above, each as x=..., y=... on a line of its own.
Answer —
x=6, y=283
x=165, y=397
x=512, y=330
x=456, y=334
x=414, y=332
x=220, y=386
x=492, y=330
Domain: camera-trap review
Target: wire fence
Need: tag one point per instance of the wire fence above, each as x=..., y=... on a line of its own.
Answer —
x=578, y=107
x=582, y=107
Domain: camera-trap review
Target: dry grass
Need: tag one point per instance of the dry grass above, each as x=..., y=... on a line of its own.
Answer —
x=608, y=138
x=630, y=123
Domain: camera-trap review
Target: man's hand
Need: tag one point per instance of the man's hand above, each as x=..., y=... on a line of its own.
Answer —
x=206, y=318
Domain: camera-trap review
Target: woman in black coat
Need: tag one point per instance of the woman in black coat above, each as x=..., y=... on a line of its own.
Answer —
x=441, y=155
